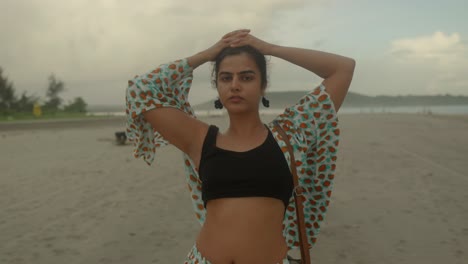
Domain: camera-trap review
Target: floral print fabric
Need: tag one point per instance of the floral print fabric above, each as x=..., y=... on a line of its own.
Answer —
x=311, y=125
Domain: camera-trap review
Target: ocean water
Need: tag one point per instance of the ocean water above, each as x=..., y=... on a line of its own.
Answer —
x=440, y=109
x=437, y=110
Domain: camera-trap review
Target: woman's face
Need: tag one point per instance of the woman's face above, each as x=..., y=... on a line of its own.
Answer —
x=239, y=84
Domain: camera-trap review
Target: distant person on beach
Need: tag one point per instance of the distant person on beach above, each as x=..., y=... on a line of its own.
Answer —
x=240, y=179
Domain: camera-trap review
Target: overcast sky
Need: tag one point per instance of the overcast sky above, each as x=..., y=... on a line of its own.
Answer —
x=95, y=46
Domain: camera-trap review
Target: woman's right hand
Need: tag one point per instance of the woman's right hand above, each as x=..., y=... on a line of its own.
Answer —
x=247, y=39
x=225, y=42
x=213, y=51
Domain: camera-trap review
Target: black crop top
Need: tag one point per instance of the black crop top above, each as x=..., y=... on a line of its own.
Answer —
x=262, y=171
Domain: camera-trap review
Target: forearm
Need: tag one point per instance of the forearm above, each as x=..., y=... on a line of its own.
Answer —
x=321, y=63
x=197, y=59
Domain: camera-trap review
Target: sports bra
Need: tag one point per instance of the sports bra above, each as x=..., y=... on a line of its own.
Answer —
x=259, y=172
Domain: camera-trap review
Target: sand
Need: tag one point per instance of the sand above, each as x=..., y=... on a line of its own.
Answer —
x=69, y=194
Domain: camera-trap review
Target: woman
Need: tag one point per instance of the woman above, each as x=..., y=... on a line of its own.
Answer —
x=240, y=179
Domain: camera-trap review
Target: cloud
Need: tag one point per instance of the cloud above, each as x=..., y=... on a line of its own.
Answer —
x=117, y=36
x=438, y=62
x=437, y=48
x=93, y=44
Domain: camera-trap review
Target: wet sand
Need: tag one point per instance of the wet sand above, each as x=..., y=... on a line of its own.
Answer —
x=69, y=194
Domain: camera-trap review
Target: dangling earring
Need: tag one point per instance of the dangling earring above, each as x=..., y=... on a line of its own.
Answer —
x=218, y=104
x=265, y=102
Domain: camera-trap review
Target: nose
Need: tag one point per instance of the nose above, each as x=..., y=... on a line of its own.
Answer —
x=235, y=84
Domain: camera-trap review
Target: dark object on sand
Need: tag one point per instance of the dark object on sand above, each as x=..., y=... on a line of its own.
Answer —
x=120, y=137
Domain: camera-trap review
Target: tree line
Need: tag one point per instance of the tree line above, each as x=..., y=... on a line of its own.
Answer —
x=11, y=103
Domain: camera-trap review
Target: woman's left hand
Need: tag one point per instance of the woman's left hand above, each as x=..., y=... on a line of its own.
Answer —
x=248, y=39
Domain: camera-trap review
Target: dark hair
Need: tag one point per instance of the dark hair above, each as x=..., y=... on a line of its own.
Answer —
x=252, y=52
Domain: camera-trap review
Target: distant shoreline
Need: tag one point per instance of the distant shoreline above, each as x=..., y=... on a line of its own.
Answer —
x=455, y=110
x=437, y=110
x=119, y=122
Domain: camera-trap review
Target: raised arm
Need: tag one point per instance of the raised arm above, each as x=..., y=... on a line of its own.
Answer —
x=337, y=71
x=158, y=111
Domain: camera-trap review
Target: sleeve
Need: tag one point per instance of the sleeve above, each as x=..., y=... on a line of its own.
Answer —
x=166, y=86
x=313, y=117
x=313, y=126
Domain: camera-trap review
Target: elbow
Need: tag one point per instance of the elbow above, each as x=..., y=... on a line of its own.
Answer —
x=349, y=65
x=345, y=66
x=353, y=64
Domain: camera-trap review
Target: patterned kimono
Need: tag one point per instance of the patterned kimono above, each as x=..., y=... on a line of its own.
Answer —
x=311, y=126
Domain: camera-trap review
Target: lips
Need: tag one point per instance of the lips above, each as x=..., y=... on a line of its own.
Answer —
x=235, y=98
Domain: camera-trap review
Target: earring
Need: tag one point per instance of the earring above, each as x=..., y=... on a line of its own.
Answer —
x=218, y=104
x=265, y=102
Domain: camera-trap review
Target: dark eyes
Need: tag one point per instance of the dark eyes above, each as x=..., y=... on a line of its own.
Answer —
x=242, y=78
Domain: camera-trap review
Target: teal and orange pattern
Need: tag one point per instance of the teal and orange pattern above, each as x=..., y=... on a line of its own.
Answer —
x=311, y=125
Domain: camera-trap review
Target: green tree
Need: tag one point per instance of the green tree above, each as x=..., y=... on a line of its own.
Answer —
x=55, y=88
x=77, y=106
x=25, y=103
x=7, y=95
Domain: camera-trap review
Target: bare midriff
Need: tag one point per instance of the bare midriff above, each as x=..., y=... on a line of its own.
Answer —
x=242, y=231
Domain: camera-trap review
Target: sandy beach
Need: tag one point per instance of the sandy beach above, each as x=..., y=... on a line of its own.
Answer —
x=69, y=194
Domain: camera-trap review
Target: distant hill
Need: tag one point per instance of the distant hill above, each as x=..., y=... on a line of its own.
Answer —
x=285, y=99
x=355, y=99
x=280, y=100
